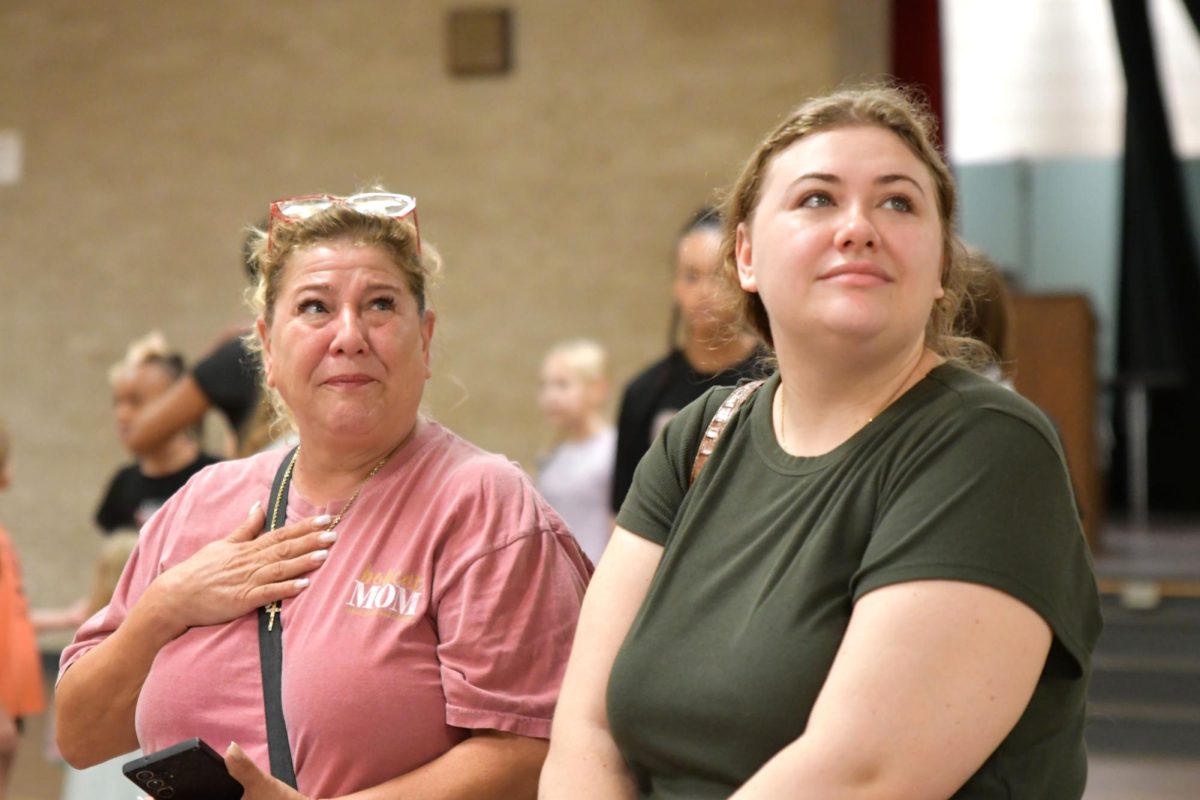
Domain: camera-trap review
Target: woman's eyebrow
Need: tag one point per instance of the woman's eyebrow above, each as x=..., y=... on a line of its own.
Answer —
x=818, y=176
x=886, y=179
x=313, y=286
x=882, y=180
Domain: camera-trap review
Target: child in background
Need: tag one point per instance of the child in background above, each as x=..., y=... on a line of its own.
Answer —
x=575, y=476
x=147, y=372
x=21, y=691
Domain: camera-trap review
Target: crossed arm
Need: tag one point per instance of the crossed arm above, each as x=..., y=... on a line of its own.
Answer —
x=930, y=677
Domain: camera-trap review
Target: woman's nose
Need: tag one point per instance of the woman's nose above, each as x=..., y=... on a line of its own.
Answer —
x=856, y=230
x=350, y=334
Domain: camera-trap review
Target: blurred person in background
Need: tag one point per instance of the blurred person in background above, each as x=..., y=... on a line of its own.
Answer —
x=225, y=379
x=988, y=316
x=708, y=348
x=147, y=371
x=21, y=693
x=575, y=475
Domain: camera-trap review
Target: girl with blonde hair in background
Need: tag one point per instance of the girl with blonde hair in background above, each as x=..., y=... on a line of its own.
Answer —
x=575, y=476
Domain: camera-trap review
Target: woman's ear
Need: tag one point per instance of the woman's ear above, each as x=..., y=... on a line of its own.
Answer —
x=743, y=253
x=264, y=339
x=428, y=319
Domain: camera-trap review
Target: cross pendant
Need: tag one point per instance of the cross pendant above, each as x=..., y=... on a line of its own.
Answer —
x=272, y=610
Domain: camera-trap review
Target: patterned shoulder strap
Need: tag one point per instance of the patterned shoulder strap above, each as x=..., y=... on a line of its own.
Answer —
x=725, y=413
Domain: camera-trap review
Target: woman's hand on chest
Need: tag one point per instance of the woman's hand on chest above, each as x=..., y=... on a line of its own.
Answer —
x=233, y=575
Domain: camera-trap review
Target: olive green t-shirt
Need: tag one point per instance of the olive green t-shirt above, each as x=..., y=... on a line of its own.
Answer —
x=766, y=554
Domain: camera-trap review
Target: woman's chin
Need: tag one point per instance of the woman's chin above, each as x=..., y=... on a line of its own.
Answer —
x=849, y=329
x=859, y=331
x=352, y=428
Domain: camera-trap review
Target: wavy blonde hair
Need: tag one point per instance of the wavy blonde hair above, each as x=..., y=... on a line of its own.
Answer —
x=586, y=357
x=149, y=349
x=904, y=113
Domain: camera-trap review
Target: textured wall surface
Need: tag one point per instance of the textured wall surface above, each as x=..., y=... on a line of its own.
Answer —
x=155, y=131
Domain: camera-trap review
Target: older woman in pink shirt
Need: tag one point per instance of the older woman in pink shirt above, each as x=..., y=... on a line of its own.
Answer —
x=426, y=594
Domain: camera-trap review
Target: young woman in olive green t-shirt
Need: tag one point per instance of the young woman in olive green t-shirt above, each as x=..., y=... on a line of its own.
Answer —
x=877, y=586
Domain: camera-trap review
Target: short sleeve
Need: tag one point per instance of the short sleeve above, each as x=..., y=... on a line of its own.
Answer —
x=662, y=477
x=505, y=627
x=229, y=379
x=989, y=501
x=629, y=450
x=143, y=566
x=107, y=515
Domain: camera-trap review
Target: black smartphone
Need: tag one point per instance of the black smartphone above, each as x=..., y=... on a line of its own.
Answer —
x=190, y=770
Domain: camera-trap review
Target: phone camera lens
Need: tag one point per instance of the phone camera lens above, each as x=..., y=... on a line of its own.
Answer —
x=167, y=793
x=154, y=783
x=144, y=774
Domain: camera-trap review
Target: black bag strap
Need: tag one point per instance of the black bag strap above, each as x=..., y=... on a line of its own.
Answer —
x=717, y=424
x=270, y=643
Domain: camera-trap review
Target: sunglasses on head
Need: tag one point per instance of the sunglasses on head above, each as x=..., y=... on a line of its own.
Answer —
x=381, y=204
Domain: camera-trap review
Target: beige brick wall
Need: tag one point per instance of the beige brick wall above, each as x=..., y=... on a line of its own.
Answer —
x=154, y=131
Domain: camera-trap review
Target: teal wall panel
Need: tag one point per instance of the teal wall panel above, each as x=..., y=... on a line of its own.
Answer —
x=990, y=216
x=1191, y=180
x=1077, y=239
x=1055, y=225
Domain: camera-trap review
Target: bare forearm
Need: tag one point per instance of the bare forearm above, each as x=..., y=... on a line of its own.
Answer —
x=584, y=761
x=585, y=765
x=97, y=697
x=803, y=766
x=182, y=405
x=488, y=766
x=55, y=619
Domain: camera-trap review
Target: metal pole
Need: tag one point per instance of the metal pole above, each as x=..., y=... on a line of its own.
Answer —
x=1137, y=463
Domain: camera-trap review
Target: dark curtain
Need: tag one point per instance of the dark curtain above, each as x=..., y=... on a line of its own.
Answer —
x=1158, y=326
x=917, y=51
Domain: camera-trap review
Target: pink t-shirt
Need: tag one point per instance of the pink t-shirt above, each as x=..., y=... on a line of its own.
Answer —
x=448, y=603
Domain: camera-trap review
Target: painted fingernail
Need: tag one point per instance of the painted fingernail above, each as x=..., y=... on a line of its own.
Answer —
x=300, y=583
x=320, y=555
x=324, y=519
x=327, y=536
x=257, y=505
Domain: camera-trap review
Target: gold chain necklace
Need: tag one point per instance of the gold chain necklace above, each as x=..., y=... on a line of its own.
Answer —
x=274, y=608
x=888, y=402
